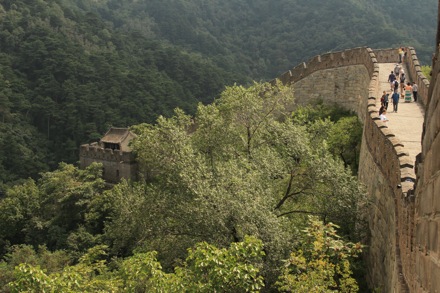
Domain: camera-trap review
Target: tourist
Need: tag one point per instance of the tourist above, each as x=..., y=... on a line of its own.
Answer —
x=391, y=79
x=408, y=92
x=384, y=100
x=395, y=97
x=402, y=82
x=401, y=72
x=415, y=89
x=383, y=116
x=397, y=69
x=401, y=54
x=396, y=86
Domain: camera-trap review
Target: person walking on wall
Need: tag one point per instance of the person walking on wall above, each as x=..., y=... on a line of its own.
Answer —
x=396, y=86
x=384, y=100
x=401, y=54
x=408, y=93
x=397, y=69
x=395, y=97
x=402, y=81
x=391, y=79
x=415, y=89
x=401, y=72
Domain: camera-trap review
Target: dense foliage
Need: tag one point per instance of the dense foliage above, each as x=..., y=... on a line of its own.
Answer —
x=66, y=77
x=70, y=69
x=241, y=166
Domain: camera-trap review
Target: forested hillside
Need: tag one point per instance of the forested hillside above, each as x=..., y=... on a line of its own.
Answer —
x=239, y=197
x=70, y=69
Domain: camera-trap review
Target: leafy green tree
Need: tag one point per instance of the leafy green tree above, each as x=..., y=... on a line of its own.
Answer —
x=64, y=209
x=206, y=269
x=240, y=166
x=344, y=141
x=51, y=262
x=321, y=263
x=236, y=269
x=91, y=274
x=19, y=214
x=427, y=71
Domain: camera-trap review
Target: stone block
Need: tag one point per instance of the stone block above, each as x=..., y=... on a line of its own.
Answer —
x=423, y=271
x=387, y=132
x=395, y=141
x=433, y=237
x=401, y=151
x=421, y=234
x=436, y=194
x=406, y=162
x=435, y=279
x=425, y=201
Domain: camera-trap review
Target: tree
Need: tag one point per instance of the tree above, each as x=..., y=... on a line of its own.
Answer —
x=63, y=208
x=344, y=138
x=206, y=269
x=321, y=263
x=91, y=274
x=239, y=167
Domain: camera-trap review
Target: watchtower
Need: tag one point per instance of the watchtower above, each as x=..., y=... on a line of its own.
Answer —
x=114, y=153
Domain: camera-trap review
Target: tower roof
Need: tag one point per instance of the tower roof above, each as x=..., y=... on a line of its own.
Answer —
x=121, y=136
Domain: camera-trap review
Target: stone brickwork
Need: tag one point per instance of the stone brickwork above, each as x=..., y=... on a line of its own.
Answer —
x=338, y=77
x=415, y=74
x=426, y=241
x=347, y=86
x=117, y=164
x=350, y=78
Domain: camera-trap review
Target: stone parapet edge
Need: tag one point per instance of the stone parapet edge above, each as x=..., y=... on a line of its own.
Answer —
x=415, y=74
x=391, y=158
x=367, y=57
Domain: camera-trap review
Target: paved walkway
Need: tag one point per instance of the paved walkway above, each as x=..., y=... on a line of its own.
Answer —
x=407, y=123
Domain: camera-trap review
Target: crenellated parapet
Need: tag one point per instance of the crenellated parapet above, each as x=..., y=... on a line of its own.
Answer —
x=416, y=75
x=357, y=56
x=350, y=78
x=96, y=152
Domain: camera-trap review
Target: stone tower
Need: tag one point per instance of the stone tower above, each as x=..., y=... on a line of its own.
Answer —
x=114, y=153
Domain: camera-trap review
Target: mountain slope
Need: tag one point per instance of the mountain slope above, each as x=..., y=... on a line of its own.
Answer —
x=71, y=69
x=264, y=38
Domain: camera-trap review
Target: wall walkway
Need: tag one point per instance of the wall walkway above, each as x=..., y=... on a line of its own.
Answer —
x=355, y=79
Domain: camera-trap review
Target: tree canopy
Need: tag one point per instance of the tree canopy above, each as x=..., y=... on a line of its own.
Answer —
x=242, y=172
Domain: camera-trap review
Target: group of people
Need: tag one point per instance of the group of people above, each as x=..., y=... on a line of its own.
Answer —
x=384, y=101
x=397, y=77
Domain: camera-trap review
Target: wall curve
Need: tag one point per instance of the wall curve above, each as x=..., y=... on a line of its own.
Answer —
x=385, y=167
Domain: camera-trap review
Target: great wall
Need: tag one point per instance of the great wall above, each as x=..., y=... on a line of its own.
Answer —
x=404, y=243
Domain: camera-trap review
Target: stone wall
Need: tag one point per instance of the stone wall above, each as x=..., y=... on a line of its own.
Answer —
x=338, y=77
x=116, y=164
x=387, y=172
x=350, y=78
x=415, y=74
x=347, y=86
x=426, y=240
